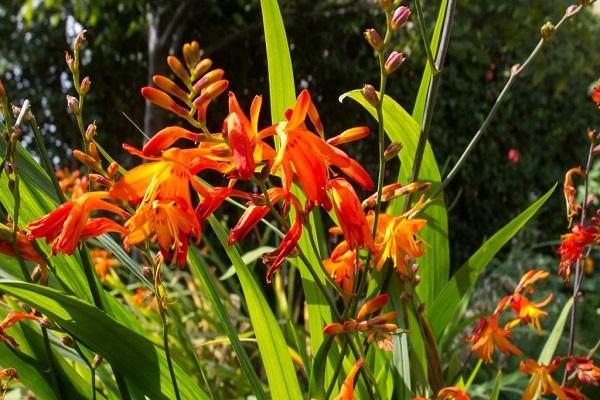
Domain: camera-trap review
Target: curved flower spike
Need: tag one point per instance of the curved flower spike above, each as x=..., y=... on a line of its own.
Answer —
x=70, y=222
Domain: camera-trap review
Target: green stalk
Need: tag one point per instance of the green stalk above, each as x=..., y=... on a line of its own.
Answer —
x=165, y=324
x=337, y=370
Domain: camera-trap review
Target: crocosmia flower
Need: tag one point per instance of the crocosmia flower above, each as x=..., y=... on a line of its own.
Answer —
x=71, y=222
x=347, y=390
x=487, y=335
x=541, y=380
x=307, y=156
x=572, y=246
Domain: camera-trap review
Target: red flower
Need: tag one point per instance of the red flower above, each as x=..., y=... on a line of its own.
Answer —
x=488, y=334
x=351, y=216
x=596, y=95
x=572, y=246
x=71, y=222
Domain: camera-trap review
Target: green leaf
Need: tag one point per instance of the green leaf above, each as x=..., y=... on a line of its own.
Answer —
x=401, y=127
x=443, y=310
x=554, y=337
x=199, y=269
x=419, y=107
x=278, y=365
x=282, y=92
x=143, y=364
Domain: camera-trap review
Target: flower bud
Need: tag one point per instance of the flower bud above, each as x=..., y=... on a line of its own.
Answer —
x=178, y=69
x=191, y=54
x=79, y=40
x=84, y=86
x=100, y=180
x=73, y=104
x=201, y=68
x=212, y=91
x=112, y=169
x=90, y=132
x=147, y=272
x=370, y=95
x=374, y=39
x=547, y=30
x=349, y=135
x=93, y=151
x=571, y=10
x=394, y=61
x=392, y=151
x=401, y=15
x=207, y=79
x=70, y=61
x=85, y=159
x=163, y=100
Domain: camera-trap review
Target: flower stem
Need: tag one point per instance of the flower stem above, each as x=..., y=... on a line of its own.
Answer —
x=337, y=370
x=165, y=324
x=578, y=272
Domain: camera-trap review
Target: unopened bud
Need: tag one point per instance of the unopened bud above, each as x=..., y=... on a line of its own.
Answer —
x=85, y=159
x=112, y=169
x=163, y=100
x=212, y=91
x=394, y=61
x=349, y=135
x=79, y=40
x=374, y=39
x=97, y=361
x=208, y=79
x=392, y=151
x=370, y=95
x=90, y=132
x=70, y=61
x=414, y=268
x=386, y=4
x=191, y=54
x=46, y=323
x=178, y=69
x=547, y=30
x=100, y=180
x=84, y=86
x=416, y=280
x=67, y=341
x=401, y=15
x=73, y=104
x=572, y=10
x=93, y=151
x=592, y=135
x=202, y=67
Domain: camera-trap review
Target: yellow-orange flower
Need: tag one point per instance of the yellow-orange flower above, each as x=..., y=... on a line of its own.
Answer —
x=486, y=335
x=541, y=380
x=103, y=262
x=170, y=222
x=453, y=393
x=169, y=176
x=309, y=157
x=397, y=240
x=71, y=222
x=528, y=312
x=572, y=246
x=341, y=266
x=347, y=390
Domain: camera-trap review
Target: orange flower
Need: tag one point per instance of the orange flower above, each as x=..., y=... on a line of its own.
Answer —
x=287, y=245
x=399, y=241
x=528, y=312
x=347, y=390
x=488, y=334
x=71, y=222
x=103, y=262
x=341, y=266
x=28, y=252
x=596, y=95
x=572, y=246
x=453, y=393
x=351, y=216
x=308, y=156
x=167, y=176
x=11, y=319
x=541, y=380
x=244, y=139
x=171, y=222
